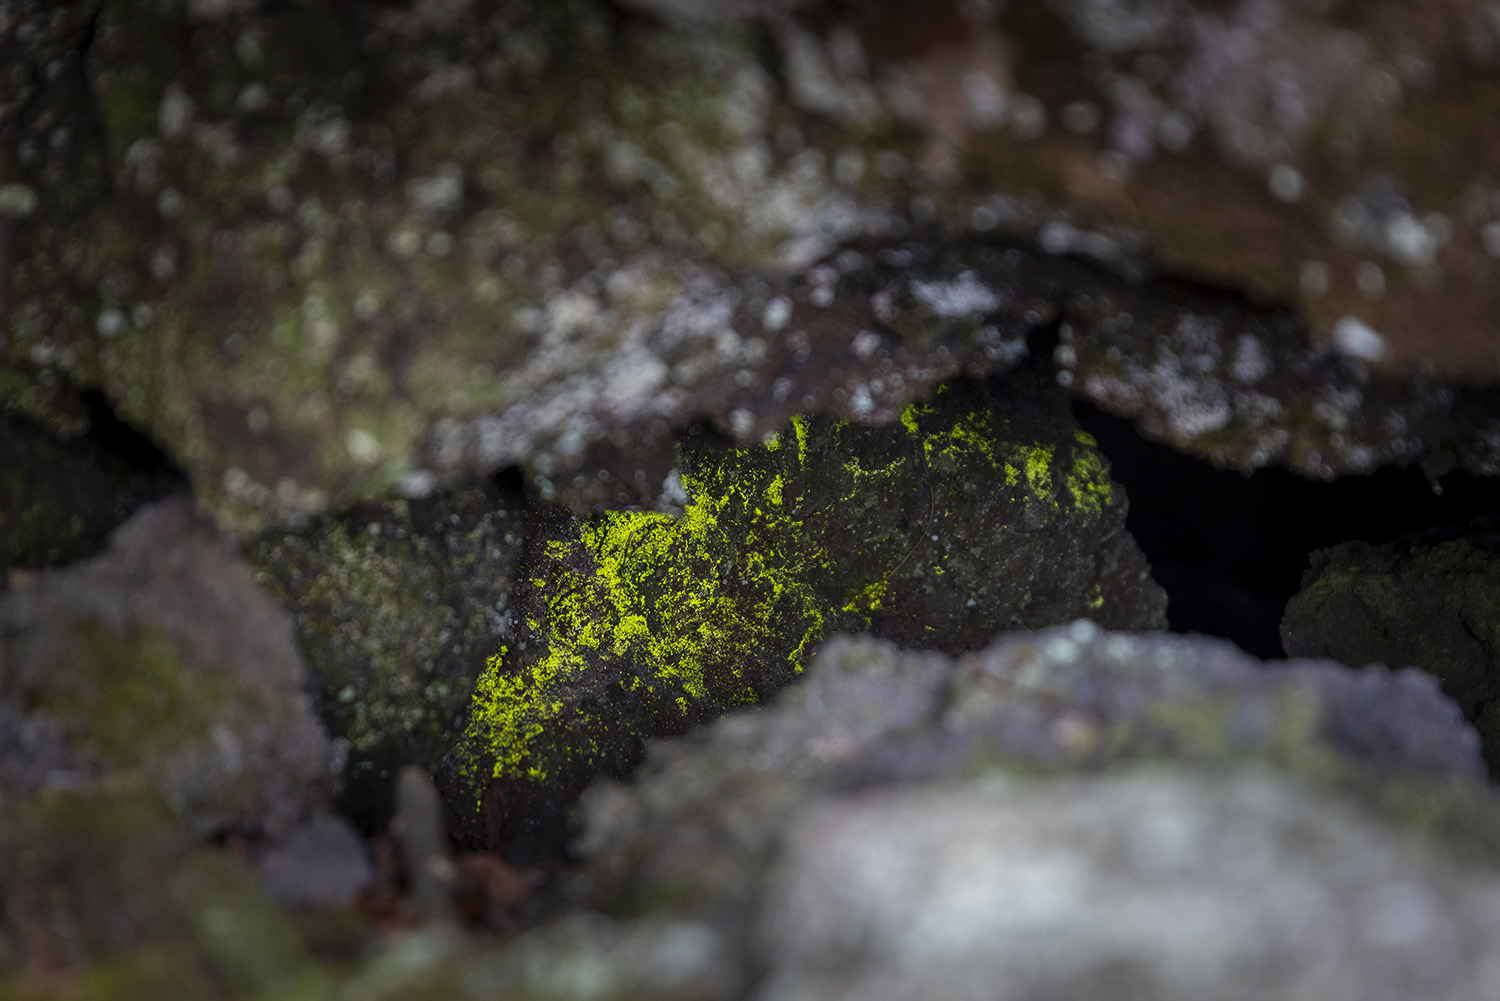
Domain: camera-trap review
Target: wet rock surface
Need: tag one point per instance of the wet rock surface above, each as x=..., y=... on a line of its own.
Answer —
x=984, y=510
x=1426, y=600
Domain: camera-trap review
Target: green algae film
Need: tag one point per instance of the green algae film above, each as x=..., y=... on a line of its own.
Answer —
x=929, y=529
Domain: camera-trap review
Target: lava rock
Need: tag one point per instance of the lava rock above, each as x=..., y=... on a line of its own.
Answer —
x=396, y=607
x=983, y=511
x=566, y=228
x=61, y=497
x=1426, y=600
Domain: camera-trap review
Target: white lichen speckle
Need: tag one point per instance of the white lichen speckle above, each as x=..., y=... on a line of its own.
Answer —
x=1357, y=339
x=1285, y=182
x=966, y=295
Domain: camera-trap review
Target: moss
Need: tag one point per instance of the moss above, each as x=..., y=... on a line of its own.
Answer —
x=960, y=519
x=397, y=606
x=128, y=697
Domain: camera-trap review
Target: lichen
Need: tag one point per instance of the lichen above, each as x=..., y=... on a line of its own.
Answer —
x=954, y=522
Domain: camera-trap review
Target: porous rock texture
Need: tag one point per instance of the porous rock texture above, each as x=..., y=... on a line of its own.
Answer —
x=982, y=511
x=150, y=699
x=539, y=233
x=396, y=607
x=1425, y=600
x=1066, y=814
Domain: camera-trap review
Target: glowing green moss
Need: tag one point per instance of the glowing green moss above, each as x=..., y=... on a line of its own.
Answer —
x=645, y=623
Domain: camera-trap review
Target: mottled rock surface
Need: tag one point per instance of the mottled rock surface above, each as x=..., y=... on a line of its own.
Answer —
x=1428, y=600
x=1158, y=884
x=906, y=825
x=161, y=659
x=985, y=510
x=150, y=698
x=396, y=606
x=537, y=233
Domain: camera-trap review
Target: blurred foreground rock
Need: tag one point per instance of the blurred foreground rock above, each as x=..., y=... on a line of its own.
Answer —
x=1430, y=600
x=150, y=699
x=1067, y=814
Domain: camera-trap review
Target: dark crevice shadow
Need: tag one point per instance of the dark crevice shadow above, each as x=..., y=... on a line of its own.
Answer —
x=1230, y=549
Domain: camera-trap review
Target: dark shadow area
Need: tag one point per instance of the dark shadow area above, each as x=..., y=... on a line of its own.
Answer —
x=1231, y=549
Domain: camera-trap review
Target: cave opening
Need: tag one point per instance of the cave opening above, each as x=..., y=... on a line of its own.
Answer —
x=1231, y=549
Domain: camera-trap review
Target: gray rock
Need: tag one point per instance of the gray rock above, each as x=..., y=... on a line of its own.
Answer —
x=707, y=815
x=1154, y=883
x=161, y=658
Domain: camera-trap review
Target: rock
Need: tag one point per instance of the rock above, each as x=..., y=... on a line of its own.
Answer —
x=1153, y=883
x=984, y=511
x=1426, y=600
x=1065, y=813
x=151, y=699
x=160, y=662
x=541, y=234
x=706, y=815
x=60, y=498
x=397, y=606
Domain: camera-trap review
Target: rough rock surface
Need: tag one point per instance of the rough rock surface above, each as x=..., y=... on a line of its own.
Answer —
x=397, y=606
x=1427, y=600
x=61, y=497
x=1067, y=814
x=161, y=658
x=530, y=233
x=150, y=697
x=903, y=825
x=982, y=511
x=1167, y=885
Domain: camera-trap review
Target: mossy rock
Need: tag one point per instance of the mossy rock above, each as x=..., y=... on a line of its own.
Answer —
x=397, y=606
x=982, y=511
x=1430, y=600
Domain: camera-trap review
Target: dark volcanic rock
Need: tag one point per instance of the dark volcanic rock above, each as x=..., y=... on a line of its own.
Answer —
x=61, y=497
x=397, y=606
x=1430, y=600
x=983, y=511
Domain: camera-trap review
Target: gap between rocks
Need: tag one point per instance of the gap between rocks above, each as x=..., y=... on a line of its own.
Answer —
x=1231, y=549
